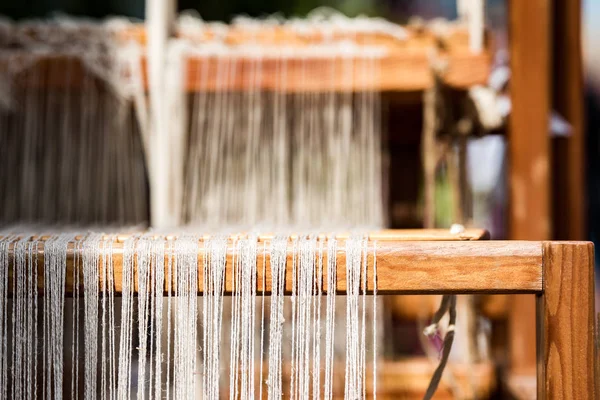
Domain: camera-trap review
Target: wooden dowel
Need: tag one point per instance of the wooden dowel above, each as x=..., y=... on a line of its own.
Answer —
x=402, y=267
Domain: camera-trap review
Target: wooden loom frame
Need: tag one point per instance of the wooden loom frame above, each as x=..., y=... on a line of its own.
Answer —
x=405, y=66
x=559, y=274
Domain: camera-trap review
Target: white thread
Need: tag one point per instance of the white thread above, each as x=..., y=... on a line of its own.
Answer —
x=90, y=255
x=330, y=316
x=186, y=270
x=278, y=268
x=215, y=256
x=125, y=345
x=375, y=350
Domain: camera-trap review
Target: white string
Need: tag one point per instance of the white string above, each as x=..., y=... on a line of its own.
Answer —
x=125, y=345
x=262, y=320
x=248, y=250
x=170, y=275
x=186, y=271
x=144, y=259
x=90, y=255
x=108, y=373
x=158, y=253
x=110, y=285
x=318, y=288
x=330, y=315
x=375, y=349
x=234, y=364
x=55, y=266
x=294, y=300
x=278, y=259
x=354, y=366
x=4, y=323
x=214, y=273
x=76, y=329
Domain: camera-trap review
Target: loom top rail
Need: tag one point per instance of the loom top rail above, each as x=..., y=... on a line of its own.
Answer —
x=404, y=66
x=407, y=261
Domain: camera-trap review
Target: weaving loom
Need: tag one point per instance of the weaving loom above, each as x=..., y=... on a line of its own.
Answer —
x=96, y=267
x=89, y=78
x=257, y=126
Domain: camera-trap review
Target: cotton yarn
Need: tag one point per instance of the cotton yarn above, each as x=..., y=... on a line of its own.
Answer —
x=115, y=347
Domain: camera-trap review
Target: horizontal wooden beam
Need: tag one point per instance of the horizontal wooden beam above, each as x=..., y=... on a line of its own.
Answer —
x=401, y=72
x=403, y=66
x=399, y=235
x=402, y=267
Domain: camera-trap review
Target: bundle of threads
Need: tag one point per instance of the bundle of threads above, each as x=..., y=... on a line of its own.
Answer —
x=125, y=291
x=235, y=146
x=71, y=151
x=81, y=145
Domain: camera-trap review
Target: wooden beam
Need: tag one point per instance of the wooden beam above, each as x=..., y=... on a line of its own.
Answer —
x=529, y=155
x=394, y=235
x=404, y=65
x=566, y=323
x=529, y=143
x=402, y=267
x=569, y=153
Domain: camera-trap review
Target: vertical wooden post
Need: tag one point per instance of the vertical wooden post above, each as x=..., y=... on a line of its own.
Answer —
x=566, y=322
x=569, y=153
x=529, y=155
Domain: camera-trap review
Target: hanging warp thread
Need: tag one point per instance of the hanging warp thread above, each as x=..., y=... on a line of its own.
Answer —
x=214, y=287
x=67, y=87
x=305, y=158
x=144, y=266
x=299, y=157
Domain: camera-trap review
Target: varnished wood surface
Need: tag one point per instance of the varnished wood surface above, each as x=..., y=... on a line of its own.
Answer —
x=402, y=267
x=566, y=353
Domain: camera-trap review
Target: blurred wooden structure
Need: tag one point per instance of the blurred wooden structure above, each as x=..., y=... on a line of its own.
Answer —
x=403, y=65
x=546, y=176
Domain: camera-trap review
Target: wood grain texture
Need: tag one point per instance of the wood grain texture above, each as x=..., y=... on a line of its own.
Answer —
x=529, y=183
x=566, y=322
x=402, y=267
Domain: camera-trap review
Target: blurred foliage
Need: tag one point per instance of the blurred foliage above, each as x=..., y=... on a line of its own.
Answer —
x=88, y=8
x=396, y=10
x=209, y=9
x=444, y=201
x=219, y=10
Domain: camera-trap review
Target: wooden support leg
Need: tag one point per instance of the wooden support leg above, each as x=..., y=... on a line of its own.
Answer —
x=565, y=328
x=530, y=178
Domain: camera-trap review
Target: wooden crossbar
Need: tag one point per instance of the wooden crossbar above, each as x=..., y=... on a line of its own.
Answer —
x=405, y=66
x=402, y=267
